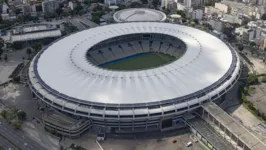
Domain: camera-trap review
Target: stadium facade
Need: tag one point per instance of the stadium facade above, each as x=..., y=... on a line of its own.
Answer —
x=138, y=14
x=67, y=75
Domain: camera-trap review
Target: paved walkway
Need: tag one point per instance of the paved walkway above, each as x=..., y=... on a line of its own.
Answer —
x=210, y=134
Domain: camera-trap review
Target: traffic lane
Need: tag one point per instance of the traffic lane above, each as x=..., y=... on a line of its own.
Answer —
x=19, y=138
x=6, y=144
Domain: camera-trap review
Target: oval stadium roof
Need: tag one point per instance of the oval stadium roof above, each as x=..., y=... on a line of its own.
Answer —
x=64, y=68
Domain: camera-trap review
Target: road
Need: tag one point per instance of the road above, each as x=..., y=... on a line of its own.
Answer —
x=18, y=138
x=6, y=144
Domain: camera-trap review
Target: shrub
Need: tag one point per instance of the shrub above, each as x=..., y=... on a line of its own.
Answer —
x=253, y=79
x=263, y=79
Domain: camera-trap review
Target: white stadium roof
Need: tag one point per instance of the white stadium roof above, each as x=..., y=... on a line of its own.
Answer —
x=138, y=14
x=64, y=68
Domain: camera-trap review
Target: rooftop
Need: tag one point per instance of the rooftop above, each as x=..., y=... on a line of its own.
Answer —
x=138, y=14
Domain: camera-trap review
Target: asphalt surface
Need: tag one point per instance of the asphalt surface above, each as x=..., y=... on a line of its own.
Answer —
x=17, y=137
x=6, y=145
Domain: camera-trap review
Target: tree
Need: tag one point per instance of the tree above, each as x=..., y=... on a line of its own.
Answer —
x=37, y=46
x=144, y=1
x=253, y=79
x=240, y=48
x=181, y=13
x=263, y=17
x=135, y=5
x=121, y=6
x=21, y=115
x=5, y=57
x=16, y=79
x=59, y=11
x=16, y=124
x=1, y=47
x=16, y=45
x=263, y=79
x=3, y=113
x=29, y=52
x=78, y=8
x=87, y=2
x=252, y=44
x=196, y=21
x=155, y=3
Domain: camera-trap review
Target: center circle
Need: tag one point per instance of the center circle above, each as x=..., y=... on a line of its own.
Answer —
x=136, y=51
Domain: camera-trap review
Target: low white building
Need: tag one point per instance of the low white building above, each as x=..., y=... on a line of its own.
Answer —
x=211, y=10
x=197, y=14
x=237, y=19
x=72, y=5
x=222, y=7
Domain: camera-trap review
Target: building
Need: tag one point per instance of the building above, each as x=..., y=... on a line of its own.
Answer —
x=138, y=14
x=168, y=4
x=187, y=3
x=133, y=101
x=210, y=10
x=234, y=19
x=26, y=9
x=4, y=8
x=49, y=6
x=197, y=14
x=222, y=7
x=217, y=25
x=64, y=125
x=72, y=5
x=32, y=32
x=112, y=2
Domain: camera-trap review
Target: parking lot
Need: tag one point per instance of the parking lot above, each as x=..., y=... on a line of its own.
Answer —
x=150, y=141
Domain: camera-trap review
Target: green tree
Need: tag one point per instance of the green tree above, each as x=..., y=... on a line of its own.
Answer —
x=263, y=79
x=5, y=57
x=181, y=13
x=59, y=11
x=16, y=45
x=87, y=2
x=252, y=44
x=17, y=124
x=253, y=79
x=16, y=79
x=240, y=48
x=37, y=46
x=121, y=6
x=3, y=113
x=155, y=3
x=21, y=115
x=196, y=21
x=1, y=47
x=29, y=52
x=144, y=1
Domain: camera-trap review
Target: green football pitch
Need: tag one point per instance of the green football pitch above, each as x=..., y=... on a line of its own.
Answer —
x=142, y=61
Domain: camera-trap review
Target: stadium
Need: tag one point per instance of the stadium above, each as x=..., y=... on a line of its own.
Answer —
x=134, y=76
x=139, y=14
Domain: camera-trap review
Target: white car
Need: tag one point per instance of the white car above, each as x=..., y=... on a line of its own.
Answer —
x=189, y=144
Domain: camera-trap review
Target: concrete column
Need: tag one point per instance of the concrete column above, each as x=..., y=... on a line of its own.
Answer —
x=203, y=111
x=224, y=132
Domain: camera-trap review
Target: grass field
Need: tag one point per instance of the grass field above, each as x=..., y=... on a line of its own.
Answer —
x=140, y=61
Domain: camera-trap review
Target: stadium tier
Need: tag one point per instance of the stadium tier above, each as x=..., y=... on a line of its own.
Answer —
x=184, y=68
